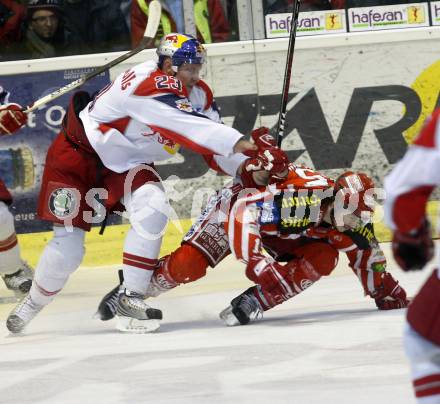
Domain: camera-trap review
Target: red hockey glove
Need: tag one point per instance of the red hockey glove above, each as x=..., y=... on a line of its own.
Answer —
x=262, y=138
x=391, y=295
x=12, y=118
x=413, y=251
x=273, y=160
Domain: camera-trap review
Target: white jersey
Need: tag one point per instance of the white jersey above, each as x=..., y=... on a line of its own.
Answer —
x=202, y=99
x=412, y=180
x=143, y=116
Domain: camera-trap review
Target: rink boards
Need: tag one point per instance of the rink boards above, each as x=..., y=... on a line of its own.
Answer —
x=356, y=100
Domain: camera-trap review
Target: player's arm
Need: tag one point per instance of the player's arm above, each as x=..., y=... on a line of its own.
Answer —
x=243, y=230
x=172, y=115
x=202, y=95
x=12, y=118
x=368, y=263
x=267, y=157
x=408, y=188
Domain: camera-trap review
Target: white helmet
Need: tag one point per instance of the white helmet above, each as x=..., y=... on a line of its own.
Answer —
x=181, y=48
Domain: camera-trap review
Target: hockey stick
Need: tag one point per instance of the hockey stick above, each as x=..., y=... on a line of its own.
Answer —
x=154, y=13
x=287, y=73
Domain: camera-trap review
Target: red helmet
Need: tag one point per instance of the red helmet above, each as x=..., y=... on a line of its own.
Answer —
x=352, y=183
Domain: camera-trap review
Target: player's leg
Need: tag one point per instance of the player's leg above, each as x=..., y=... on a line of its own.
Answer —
x=204, y=245
x=68, y=175
x=61, y=257
x=424, y=357
x=16, y=273
x=148, y=210
x=422, y=341
x=186, y=264
x=312, y=260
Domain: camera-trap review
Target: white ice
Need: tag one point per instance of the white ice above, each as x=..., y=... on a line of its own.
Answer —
x=327, y=345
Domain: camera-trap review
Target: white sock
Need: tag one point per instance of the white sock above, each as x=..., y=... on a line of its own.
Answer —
x=148, y=210
x=61, y=256
x=10, y=260
x=139, y=261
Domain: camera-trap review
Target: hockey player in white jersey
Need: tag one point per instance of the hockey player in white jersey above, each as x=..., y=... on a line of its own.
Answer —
x=202, y=100
x=408, y=188
x=111, y=142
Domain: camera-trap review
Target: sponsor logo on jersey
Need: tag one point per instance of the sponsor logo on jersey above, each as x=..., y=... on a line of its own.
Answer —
x=305, y=283
x=296, y=201
x=269, y=213
x=63, y=202
x=364, y=231
x=295, y=222
x=169, y=145
x=378, y=266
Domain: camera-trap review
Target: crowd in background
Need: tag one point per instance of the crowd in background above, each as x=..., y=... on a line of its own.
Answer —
x=282, y=6
x=32, y=29
x=47, y=28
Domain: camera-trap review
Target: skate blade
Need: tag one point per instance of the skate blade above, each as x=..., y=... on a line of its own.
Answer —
x=135, y=326
x=228, y=317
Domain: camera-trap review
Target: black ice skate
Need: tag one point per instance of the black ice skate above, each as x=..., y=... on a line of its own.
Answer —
x=20, y=282
x=243, y=309
x=134, y=315
x=107, y=306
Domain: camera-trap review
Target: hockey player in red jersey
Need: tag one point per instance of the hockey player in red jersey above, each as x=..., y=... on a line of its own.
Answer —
x=306, y=221
x=302, y=218
x=16, y=273
x=111, y=143
x=408, y=188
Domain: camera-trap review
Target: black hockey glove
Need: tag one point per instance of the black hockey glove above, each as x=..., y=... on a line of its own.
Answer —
x=413, y=251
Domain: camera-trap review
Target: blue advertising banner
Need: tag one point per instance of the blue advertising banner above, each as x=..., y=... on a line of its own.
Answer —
x=22, y=155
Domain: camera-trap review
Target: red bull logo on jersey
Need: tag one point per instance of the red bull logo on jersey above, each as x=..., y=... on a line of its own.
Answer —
x=169, y=145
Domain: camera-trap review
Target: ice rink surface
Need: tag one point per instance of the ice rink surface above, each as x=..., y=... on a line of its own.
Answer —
x=328, y=345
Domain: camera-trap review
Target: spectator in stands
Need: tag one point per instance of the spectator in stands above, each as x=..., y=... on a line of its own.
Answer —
x=286, y=6
x=232, y=17
x=372, y=3
x=96, y=26
x=12, y=15
x=209, y=16
x=43, y=32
